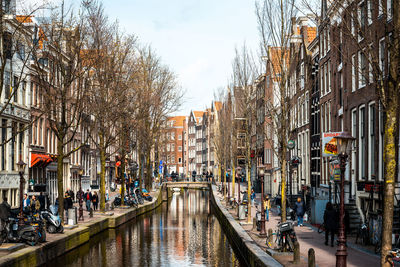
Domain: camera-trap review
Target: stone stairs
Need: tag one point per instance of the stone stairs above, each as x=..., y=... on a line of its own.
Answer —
x=354, y=215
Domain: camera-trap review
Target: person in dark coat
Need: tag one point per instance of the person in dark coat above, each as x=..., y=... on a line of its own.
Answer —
x=67, y=204
x=300, y=210
x=42, y=201
x=330, y=222
x=95, y=200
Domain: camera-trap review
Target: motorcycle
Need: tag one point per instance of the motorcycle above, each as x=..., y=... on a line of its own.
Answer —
x=146, y=195
x=52, y=219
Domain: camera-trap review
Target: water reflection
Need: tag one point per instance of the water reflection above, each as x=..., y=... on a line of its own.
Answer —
x=180, y=233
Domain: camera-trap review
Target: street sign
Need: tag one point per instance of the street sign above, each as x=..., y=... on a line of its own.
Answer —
x=291, y=144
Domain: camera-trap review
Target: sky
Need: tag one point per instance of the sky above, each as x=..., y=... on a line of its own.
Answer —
x=195, y=38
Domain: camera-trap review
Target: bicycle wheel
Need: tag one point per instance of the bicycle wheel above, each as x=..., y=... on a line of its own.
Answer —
x=321, y=228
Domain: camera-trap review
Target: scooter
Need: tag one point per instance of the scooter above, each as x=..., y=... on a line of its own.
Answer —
x=52, y=219
x=139, y=196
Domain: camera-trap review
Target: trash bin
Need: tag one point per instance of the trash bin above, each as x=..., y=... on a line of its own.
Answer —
x=242, y=212
x=72, y=216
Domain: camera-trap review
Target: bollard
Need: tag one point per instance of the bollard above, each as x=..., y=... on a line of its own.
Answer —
x=269, y=235
x=311, y=257
x=112, y=205
x=296, y=252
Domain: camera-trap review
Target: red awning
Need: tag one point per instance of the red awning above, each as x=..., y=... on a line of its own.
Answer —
x=40, y=159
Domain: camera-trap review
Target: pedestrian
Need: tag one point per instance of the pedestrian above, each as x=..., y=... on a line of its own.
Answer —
x=42, y=201
x=35, y=205
x=27, y=203
x=252, y=197
x=300, y=210
x=95, y=200
x=330, y=222
x=267, y=206
x=107, y=196
x=67, y=204
x=88, y=199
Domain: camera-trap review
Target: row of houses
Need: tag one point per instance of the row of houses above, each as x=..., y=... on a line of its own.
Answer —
x=332, y=71
x=26, y=133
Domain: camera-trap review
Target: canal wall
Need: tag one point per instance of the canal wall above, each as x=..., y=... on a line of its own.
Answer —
x=249, y=251
x=71, y=239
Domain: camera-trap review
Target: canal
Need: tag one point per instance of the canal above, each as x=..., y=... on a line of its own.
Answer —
x=181, y=232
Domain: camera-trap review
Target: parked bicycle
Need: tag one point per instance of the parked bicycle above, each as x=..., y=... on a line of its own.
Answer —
x=363, y=234
x=393, y=255
x=284, y=238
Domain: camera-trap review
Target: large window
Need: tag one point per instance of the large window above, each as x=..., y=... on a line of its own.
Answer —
x=363, y=70
x=353, y=73
x=362, y=142
x=382, y=56
x=371, y=140
x=3, y=142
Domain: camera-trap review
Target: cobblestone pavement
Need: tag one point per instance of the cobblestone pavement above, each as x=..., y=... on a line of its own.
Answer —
x=308, y=237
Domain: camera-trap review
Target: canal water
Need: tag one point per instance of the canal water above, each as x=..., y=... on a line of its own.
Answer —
x=181, y=232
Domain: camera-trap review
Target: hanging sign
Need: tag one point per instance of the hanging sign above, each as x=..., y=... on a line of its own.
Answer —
x=329, y=144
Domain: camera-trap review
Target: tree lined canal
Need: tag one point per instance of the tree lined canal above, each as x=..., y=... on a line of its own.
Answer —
x=181, y=232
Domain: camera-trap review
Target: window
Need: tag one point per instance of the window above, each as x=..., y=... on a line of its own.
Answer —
x=302, y=76
x=20, y=51
x=371, y=140
x=328, y=35
x=382, y=56
x=326, y=78
x=380, y=8
x=172, y=147
x=381, y=141
x=13, y=148
x=41, y=131
x=172, y=159
x=168, y=147
x=7, y=85
x=361, y=135
x=363, y=71
x=179, y=160
x=172, y=136
x=180, y=137
x=370, y=11
x=353, y=73
x=21, y=141
x=389, y=9
x=3, y=146
x=322, y=81
x=7, y=45
x=15, y=89
x=362, y=17
x=23, y=92
x=329, y=77
x=180, y=148
x=7, y=6
x=268, y=156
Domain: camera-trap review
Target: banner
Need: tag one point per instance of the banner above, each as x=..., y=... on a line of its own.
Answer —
x=329, y=144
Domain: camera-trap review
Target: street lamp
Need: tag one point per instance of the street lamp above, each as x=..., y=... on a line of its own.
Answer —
x=21, y=170
x=344, y=141
x=262, y=230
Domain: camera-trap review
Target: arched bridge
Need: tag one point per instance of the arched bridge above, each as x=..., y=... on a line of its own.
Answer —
x=196, y=185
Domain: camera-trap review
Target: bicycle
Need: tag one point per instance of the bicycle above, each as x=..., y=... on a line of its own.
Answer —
x=393, y=255
x=363, y=234
x=285, y=237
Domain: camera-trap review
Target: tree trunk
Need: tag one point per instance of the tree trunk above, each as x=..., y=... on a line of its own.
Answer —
x=102, y=174
x=148, y=173
x=283, y=185
x=60, y=178
x=390, y=170
x=122, y=176
x=391, y=131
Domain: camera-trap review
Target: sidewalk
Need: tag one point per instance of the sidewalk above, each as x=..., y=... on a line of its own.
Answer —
x=308, y=237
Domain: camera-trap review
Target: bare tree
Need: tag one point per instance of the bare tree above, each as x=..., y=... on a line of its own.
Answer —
x=59, y=72
x=110, y=54
x=274, y=22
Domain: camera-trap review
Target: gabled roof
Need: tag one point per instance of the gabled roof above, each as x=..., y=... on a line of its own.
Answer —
x=198, y=115
x=178, y=120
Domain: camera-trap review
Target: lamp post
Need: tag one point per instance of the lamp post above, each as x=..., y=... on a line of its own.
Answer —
x=262, y=229
x=344, y=141
x=21, y=170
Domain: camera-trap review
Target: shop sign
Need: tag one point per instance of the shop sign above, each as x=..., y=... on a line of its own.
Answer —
x=329, y=144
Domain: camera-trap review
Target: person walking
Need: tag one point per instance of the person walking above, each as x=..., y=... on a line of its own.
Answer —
x=88, y=199
x=67, y=204
x=252, y=197
x=300, y=210
x=35, y=205
x=95, y=200
x=42, y=201
x=267, y=206
x=330, y=222
x=27, y=203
